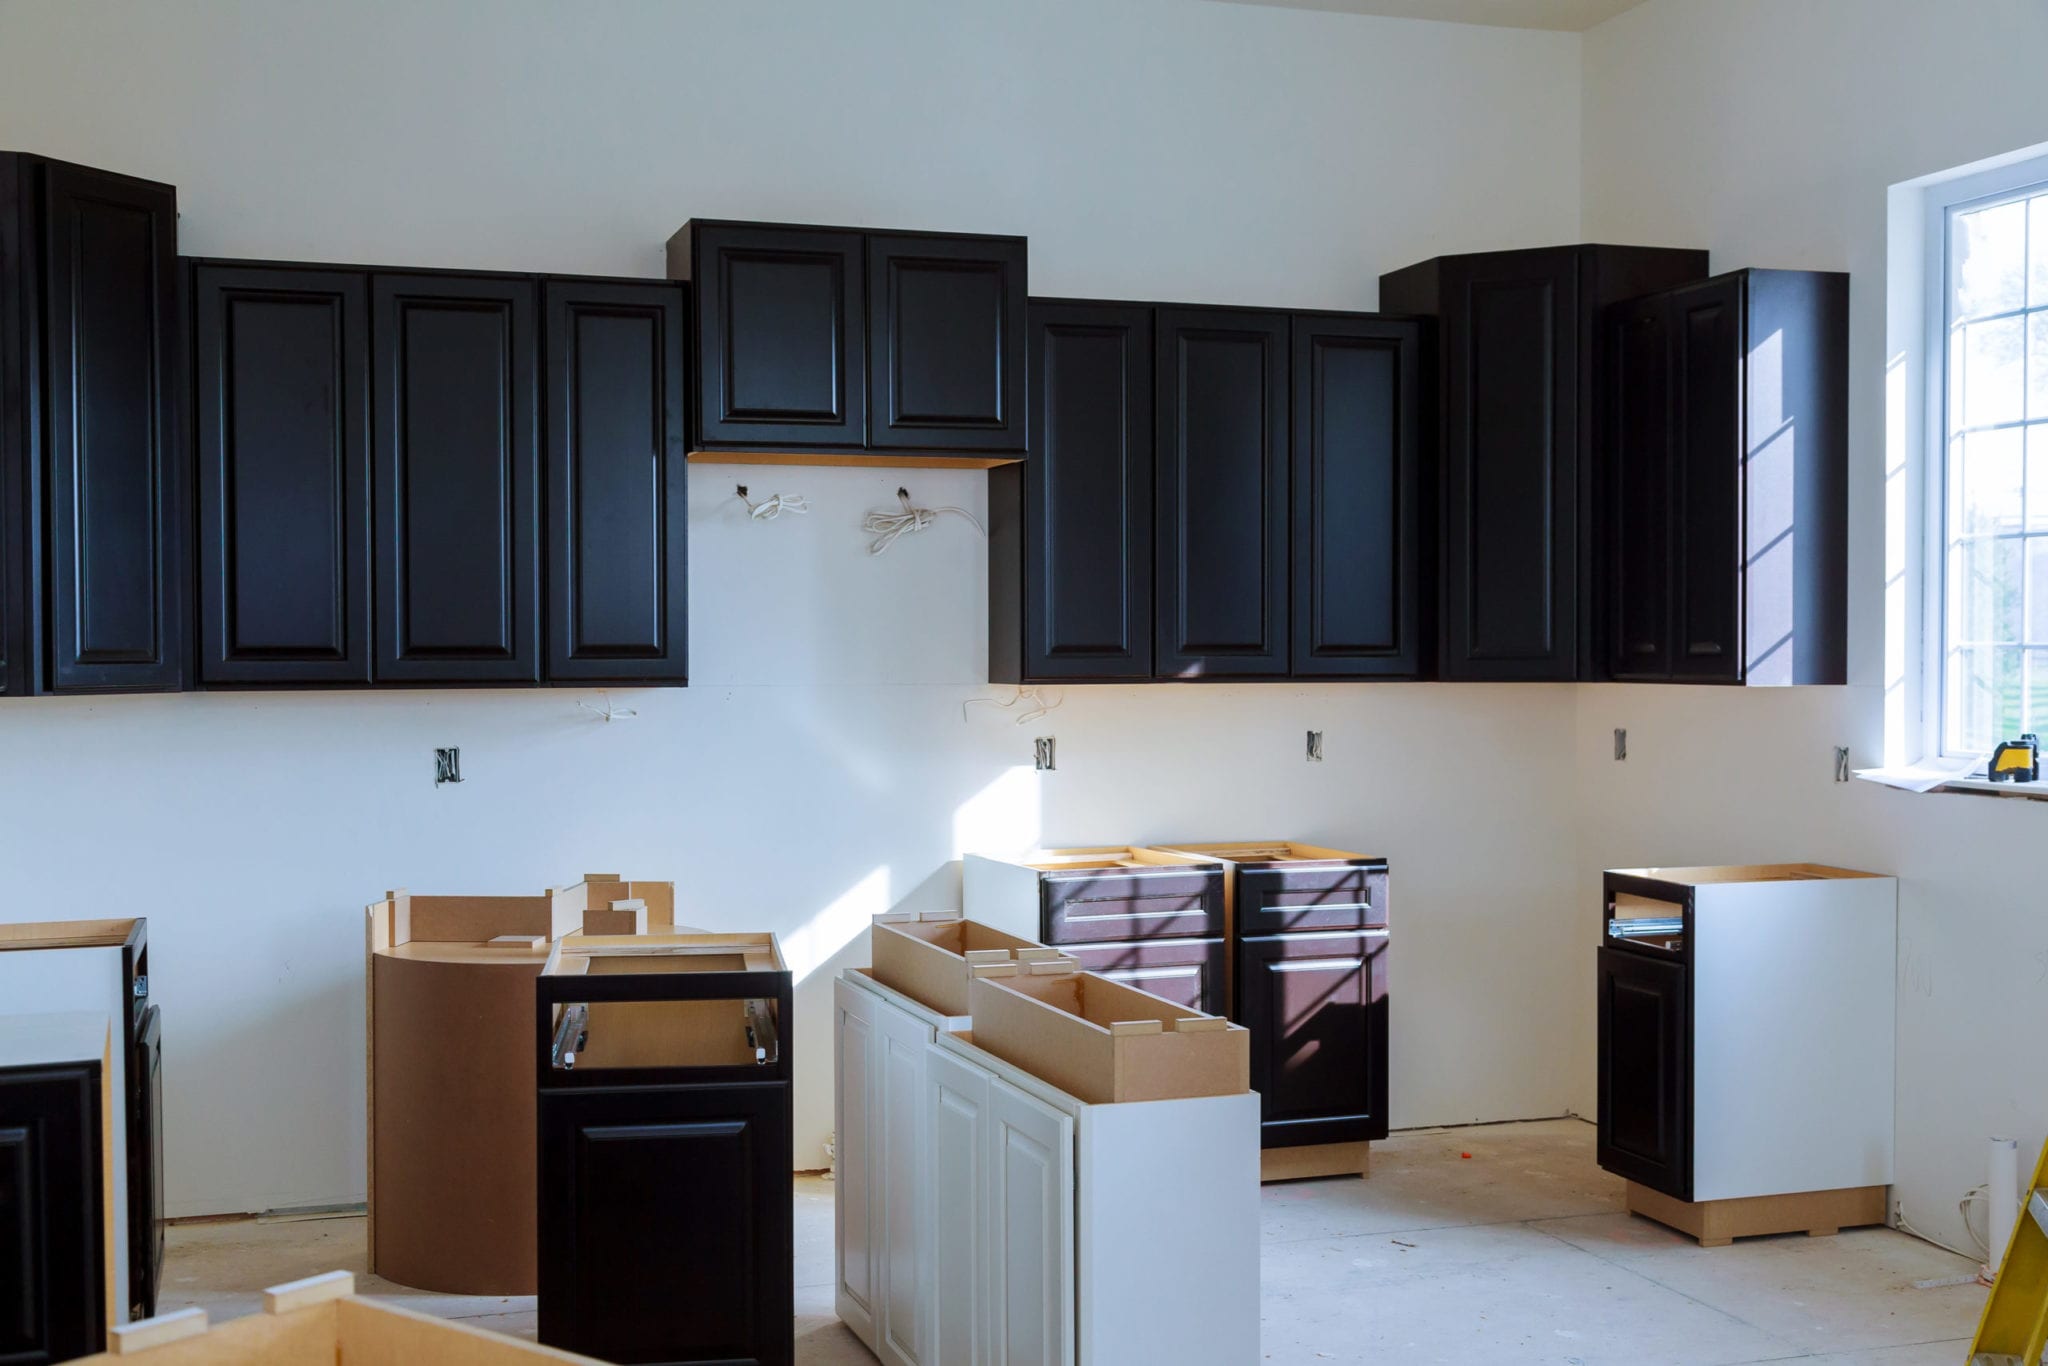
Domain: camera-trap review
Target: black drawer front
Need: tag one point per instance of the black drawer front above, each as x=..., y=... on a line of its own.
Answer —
x=1187, y=972
x=1316, y=896
x=1115, y=904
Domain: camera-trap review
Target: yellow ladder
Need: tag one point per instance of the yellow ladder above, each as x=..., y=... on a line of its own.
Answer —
x=2014, y=1328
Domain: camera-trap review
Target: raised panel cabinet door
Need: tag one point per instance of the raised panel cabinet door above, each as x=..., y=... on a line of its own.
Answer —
x=52, y=1260
x=618, y=488
x=1031, y=1244
x=902, y=1243
x=1088, y=493
x=1643, y=518
x=114, y=493
x=455, y=391
x=781, y=335
x=1645, y=1096
x=1710, y=360
x=665, y=1223
x=1222, y=467
x=1357, y=496
x=281, y=378
x=146, y=1165
x=946, y=323
x=957, y=1127
x=856, y=1159
x=1317, y=1008
x=1511, y=466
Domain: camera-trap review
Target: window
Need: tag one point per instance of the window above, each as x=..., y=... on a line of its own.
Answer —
x=1994, y=401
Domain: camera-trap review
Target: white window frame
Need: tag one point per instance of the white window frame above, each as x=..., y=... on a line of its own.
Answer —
x=1925, y=630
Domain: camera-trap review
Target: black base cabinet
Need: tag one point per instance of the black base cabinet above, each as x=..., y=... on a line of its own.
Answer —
x=1316, y=1004
x=53, y=1281
x=1522, y=366
x=666, y=1206
x=1728, y=476
x=92, y=492
x=1213, y=494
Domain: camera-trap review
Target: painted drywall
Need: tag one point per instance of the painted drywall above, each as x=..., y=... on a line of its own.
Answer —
x=820, y=769
x=1769, y=132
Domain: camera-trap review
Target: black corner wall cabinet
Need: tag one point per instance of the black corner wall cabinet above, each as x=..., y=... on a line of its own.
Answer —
x=1543, y=465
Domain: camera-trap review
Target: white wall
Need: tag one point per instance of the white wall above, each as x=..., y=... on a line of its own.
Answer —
x=1768, y=131
x=819, y=769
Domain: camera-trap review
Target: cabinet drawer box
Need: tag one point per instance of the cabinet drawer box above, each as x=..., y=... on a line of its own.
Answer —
x=1103, y=1043
x=932, y=960
x=1278, y=886
x=1187, y=972
x=1103, y=895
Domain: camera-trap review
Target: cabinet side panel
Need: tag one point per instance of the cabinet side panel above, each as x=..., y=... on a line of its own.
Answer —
x=1793, y=1005
x=1179, y=1174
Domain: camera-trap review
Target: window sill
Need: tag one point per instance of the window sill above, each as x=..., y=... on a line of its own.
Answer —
x=1920, y=780
x=1984, y=787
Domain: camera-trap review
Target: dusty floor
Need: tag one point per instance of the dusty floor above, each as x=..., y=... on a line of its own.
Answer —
x=1519, y=1253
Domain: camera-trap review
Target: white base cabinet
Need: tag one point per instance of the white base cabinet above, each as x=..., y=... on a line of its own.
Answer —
x=986, y=1218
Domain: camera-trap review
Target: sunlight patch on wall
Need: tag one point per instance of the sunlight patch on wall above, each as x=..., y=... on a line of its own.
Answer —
x=819, y=939
x=1003, y=818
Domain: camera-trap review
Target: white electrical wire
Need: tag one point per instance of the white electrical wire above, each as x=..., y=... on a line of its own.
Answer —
x=886, y=527
x=1040, y=706
x=773, y=506
x=608, y=712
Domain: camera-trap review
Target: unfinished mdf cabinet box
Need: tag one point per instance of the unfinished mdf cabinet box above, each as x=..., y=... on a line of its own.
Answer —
x=319, y=1321
x=662, y=1065
x=102, y=966
x=1067, y=1231
x=451, y=1108
x=1148, y=918
x=1309, y=941
x=1745, y=1046
x=931, y=957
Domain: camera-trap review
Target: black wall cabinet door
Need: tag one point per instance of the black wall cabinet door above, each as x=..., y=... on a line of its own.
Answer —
x=1087, y=539
x=1357, y=496
x=946, y=322
x=618, y=554
x=781, y=333
x=1510, y=472
x=457, y=523
x=1645, y=1096
x=1708, y=443
x=665, y=1224
x=116, y=605
x=1222, y=588
x=1643, y=520
x=282, y=378
x=1317, y=1008
x=21, y=410
x=52, y=1260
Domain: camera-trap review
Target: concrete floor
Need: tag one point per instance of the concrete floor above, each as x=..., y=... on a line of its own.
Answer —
x=1518, y=1253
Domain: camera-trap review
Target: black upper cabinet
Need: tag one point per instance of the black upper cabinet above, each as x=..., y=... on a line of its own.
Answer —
x=455, y=390
x=1071, y=528
x=281, y=373
x=946, y=322
x=1740, y=575
x=867, y=343
x=1522, y=363
x=90, y=366
x=617, y=542
x=1357, y=502
x=780, y=336
x=1222, y=506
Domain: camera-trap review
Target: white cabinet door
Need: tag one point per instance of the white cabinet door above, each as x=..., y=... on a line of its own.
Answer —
x=958, y=1129
x=901, y=1252
x=855, y=1045
x=1031, y=1252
